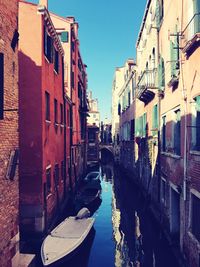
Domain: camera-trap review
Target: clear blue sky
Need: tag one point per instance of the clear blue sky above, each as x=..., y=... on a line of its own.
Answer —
x=108, y=31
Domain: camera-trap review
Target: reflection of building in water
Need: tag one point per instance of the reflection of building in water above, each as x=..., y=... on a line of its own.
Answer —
x=107, y=172
x=122, y=250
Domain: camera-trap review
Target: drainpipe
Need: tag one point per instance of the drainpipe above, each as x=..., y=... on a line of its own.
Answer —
x=71, y=115
x=65, y=133
x=159, y=119
x=184, y=93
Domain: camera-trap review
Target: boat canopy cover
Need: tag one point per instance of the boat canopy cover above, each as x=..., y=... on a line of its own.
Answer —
x=83, y=213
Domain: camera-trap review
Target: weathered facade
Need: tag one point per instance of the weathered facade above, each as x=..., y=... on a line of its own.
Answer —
x=9, y=141
x=118, y=82
x=75, y=84
x=41, y=126
x=166, y=113
x=126, y=111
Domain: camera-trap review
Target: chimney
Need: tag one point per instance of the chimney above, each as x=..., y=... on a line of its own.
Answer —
x=43, y=3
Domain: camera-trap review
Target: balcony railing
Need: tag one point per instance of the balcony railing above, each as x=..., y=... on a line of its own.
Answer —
x=147, y=82
x=191, y=34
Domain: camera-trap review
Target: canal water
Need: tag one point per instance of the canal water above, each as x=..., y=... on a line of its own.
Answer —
x=124, y=233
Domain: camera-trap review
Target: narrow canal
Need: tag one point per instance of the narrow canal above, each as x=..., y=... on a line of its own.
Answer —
x=124, y=234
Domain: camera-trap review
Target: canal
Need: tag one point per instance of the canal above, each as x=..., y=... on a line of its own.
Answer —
x=124, y=233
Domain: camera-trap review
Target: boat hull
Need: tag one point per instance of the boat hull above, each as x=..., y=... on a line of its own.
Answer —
x=65, y=239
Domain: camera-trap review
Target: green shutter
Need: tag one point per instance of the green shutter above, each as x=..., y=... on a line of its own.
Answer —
x=155, y=117
x=64, y=37
x=198, y=103
x=144, y=124
x=158, y=14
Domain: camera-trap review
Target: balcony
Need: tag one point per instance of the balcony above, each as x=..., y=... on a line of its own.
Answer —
x=191, y=35
x=147, y=82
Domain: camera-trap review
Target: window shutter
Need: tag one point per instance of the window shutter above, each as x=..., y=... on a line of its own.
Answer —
x=172, y=58
x=144, y=124
x=162, y=73
x=198, y=103
x=158, y=14
x=64, y=37
x=155, y=117
x=1, y=85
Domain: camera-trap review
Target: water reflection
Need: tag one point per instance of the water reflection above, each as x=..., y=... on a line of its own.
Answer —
x=125, y=234
x=139, y=241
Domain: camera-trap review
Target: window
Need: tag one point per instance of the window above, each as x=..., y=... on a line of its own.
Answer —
x=144, y=124
x=1, y=85
x=161, y=74
x=55, y=111
x=174, y=54
x=164, y=133
x=48, y=46
x=196, y=8
x=119, y=109
x=48, y=180
x=159, y=12
x=56, y=174
x=56, y=60
x=91, y=136
x=61, y=114
x=129, y=98
x=196, y=124
x=177, y=132
x=72, y=79
x=64, y=37
x=47, y=106
x=132, y=130
x=195, y=218
x=15, y=40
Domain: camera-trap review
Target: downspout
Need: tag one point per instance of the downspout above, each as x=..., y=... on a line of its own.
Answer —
x=185, y=117
x=71, y=114
x=159, y=118
x=65, y=132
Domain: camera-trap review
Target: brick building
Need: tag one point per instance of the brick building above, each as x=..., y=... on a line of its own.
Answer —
x=9, y=195
x=75, y=78
x=43, y=182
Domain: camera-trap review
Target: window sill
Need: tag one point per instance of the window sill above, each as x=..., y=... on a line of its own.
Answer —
x=195, y=152
x=171, y=155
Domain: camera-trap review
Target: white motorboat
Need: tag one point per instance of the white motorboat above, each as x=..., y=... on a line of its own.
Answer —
x=66, y=237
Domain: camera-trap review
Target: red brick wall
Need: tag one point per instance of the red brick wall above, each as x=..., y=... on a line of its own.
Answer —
x=8, y=134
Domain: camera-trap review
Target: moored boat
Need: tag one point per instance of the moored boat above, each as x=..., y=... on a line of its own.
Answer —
x=66, y=237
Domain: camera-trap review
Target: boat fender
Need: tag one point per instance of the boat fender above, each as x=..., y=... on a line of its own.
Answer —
x=83, y=213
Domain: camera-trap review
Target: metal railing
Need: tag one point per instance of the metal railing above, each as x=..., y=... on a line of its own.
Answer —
x=191, y=28
x=148, y=80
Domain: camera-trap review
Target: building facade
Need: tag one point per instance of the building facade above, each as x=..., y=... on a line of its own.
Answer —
x=126, y=113
x=75, y=83
x=93, y=124
x=118, y=81
x=167, y=119
x=43, y=182
x=9, y=140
